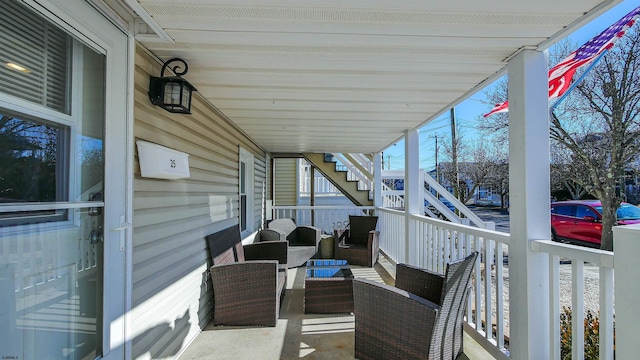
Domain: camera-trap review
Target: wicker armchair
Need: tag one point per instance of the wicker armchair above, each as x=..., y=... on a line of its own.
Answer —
x=248, y=281
x=359, y=244
x=419, y=318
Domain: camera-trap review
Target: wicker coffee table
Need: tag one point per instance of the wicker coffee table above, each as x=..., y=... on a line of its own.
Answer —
x=328, y=287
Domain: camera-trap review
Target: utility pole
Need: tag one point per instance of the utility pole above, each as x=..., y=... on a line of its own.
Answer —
x=435, y=136
x=437, y=177
x=454, y=154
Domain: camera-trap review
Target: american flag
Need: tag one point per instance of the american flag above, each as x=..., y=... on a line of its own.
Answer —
x=560, y=75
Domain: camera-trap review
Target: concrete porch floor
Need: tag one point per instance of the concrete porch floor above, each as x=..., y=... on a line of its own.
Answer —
x=297, y=335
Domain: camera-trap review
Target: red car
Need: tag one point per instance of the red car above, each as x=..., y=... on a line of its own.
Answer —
x=581, y=220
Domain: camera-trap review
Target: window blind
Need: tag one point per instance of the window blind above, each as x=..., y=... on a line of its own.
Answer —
x=42, y=53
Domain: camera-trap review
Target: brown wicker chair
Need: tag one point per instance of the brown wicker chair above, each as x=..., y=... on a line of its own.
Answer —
x=248, y=281
x=358, y=244
x=420, y=318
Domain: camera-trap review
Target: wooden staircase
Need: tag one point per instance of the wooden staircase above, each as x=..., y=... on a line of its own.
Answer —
x=338, y=178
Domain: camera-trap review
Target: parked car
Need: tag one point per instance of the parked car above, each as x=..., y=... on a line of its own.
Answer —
x=581, y=220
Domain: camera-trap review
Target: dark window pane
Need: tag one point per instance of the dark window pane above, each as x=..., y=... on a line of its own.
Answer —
x=30, y=156
x=583, y=211
x=243, y=212
x=567, y=210
x=243, y=172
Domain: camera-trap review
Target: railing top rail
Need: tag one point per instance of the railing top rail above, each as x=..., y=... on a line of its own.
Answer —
x=467, y=229
x=393, y=211
x=321, y=207
x=594, y=256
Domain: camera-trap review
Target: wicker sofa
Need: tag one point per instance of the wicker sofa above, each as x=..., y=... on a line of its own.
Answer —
x=304, y=241
x=248, y=281
x=286, y=229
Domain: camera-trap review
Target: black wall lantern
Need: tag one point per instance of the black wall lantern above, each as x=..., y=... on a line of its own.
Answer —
x=172, y=93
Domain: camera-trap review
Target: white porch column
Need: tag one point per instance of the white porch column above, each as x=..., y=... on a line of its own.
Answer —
x=529, y=195
x=627, y=294
x=412, y=192
x=377, y=180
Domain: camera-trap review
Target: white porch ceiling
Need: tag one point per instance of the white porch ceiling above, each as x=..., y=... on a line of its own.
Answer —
x=349, y=76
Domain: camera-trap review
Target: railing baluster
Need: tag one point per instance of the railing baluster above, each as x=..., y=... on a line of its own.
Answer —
x=488, y=256
x=472, y=294
x=441, y=249
x=421, y=244
x=554, y=308
x=499, y=296
x=446, y=243
x=478, y=286
x=577, y=309
x=606, y=313
x=429, y=247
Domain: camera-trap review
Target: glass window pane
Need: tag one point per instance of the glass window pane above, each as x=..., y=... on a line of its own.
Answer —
x=172, y=94
x=243, y=180
x=35, y=58
x=29, y=165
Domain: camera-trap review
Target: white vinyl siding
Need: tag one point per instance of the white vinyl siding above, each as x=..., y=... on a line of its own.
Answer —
x=260, y=191
x=285, y=180
x=172, y=217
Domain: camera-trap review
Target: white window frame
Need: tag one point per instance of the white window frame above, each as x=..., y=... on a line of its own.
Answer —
x=72, y=122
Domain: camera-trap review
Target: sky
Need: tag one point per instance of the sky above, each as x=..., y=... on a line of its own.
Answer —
x=467, y=112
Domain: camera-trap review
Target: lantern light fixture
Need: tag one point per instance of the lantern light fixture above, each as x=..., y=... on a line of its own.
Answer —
x=172, y=93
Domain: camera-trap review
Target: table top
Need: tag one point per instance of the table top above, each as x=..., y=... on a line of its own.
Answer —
x=328, y=268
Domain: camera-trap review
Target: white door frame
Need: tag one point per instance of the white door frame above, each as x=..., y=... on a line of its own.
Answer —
x=88, y=25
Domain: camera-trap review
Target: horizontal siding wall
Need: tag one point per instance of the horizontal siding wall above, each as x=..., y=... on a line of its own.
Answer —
x=285, y=180
x=260, y=191
x=171, y=290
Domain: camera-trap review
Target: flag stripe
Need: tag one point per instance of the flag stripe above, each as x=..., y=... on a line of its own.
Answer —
x=560, y=75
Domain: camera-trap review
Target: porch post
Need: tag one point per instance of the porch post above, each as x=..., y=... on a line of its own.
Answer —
x=377, y=180
x=627, y=294
x=412, y=194
x=529, y=195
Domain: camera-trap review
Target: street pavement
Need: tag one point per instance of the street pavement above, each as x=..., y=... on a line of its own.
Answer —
x=494, y=214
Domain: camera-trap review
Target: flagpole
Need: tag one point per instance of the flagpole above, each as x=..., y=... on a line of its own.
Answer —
x=575, y=83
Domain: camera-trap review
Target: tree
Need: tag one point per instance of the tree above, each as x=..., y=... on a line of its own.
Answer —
x=27, y=160
x=475, y=165
x=566, y=173
x=601, y=126
x=598, y=125
x=499, y=178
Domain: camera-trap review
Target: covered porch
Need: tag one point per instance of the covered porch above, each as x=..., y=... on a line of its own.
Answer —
x=332, y=84
x=278, y=79
x=300, y=335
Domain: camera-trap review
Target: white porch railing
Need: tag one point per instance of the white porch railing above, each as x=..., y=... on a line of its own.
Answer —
x=440, y=242
x=579, y=256
x=322, y=187
x=327, y=218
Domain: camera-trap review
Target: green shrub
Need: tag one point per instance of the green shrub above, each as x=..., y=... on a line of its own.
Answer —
x=591, y=335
